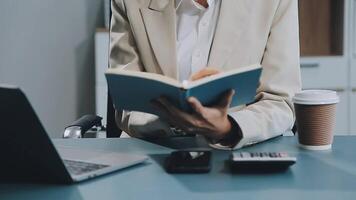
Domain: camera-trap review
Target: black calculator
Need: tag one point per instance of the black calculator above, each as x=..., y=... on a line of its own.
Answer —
x=260, y=162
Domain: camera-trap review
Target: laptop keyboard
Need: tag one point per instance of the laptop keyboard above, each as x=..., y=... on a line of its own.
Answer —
x=79, y=167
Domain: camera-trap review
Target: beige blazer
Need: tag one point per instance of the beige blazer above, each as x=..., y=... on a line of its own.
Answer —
x=143, y=37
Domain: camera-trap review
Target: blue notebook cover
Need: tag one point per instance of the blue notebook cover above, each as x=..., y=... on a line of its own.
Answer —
x=134, y=91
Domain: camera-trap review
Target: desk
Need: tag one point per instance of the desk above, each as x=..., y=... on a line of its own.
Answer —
x=317, y=175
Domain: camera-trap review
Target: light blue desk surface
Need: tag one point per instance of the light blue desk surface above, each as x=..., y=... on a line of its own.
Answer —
x=317, y=175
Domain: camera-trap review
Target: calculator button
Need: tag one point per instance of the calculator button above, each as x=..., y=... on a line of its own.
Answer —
x=283, y=154
x=245, y=155
x=273, y=155
x=256, y=155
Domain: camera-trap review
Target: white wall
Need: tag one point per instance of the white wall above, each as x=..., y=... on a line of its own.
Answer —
x=47, y=48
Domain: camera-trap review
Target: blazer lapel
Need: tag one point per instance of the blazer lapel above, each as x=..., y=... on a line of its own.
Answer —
x=160, y=23
x=233, y=20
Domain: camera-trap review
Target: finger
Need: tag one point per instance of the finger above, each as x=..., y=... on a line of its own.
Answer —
x=174, y=111
x=168, y=108
x=166, y=114
x=161, y=108
x=227, y=99
x=204, y=73
x=155, y=104
x=168, y=105
x=196, y=105
x=187, y=122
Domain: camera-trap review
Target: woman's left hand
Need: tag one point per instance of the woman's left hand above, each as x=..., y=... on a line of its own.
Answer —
x=208, y=71
x=211, y=122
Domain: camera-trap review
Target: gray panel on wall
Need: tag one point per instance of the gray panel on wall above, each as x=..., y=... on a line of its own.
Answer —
x=47, y=48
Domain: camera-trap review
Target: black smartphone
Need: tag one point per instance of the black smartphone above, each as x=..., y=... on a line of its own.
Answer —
x=187, y=161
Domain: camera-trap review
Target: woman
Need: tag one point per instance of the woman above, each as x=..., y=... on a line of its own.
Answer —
x=191, y=39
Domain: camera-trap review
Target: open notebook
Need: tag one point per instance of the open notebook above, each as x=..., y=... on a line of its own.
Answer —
x=132, y=90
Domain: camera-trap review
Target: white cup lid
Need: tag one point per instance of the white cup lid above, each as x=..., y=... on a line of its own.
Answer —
x=316, y=97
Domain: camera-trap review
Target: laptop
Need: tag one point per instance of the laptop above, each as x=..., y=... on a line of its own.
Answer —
x=27, y=152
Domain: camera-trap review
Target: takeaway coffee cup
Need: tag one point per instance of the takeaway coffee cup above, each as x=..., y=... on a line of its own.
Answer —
x=315, y=112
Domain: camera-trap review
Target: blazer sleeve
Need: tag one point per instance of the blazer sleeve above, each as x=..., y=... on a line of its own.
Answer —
x=124, y=55
x=272, y=114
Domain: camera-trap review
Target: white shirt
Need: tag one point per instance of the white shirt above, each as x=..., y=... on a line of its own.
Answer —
x=195, y=30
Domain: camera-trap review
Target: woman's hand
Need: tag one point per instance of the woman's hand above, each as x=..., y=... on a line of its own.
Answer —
x=211, y=122
x=208, y=71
